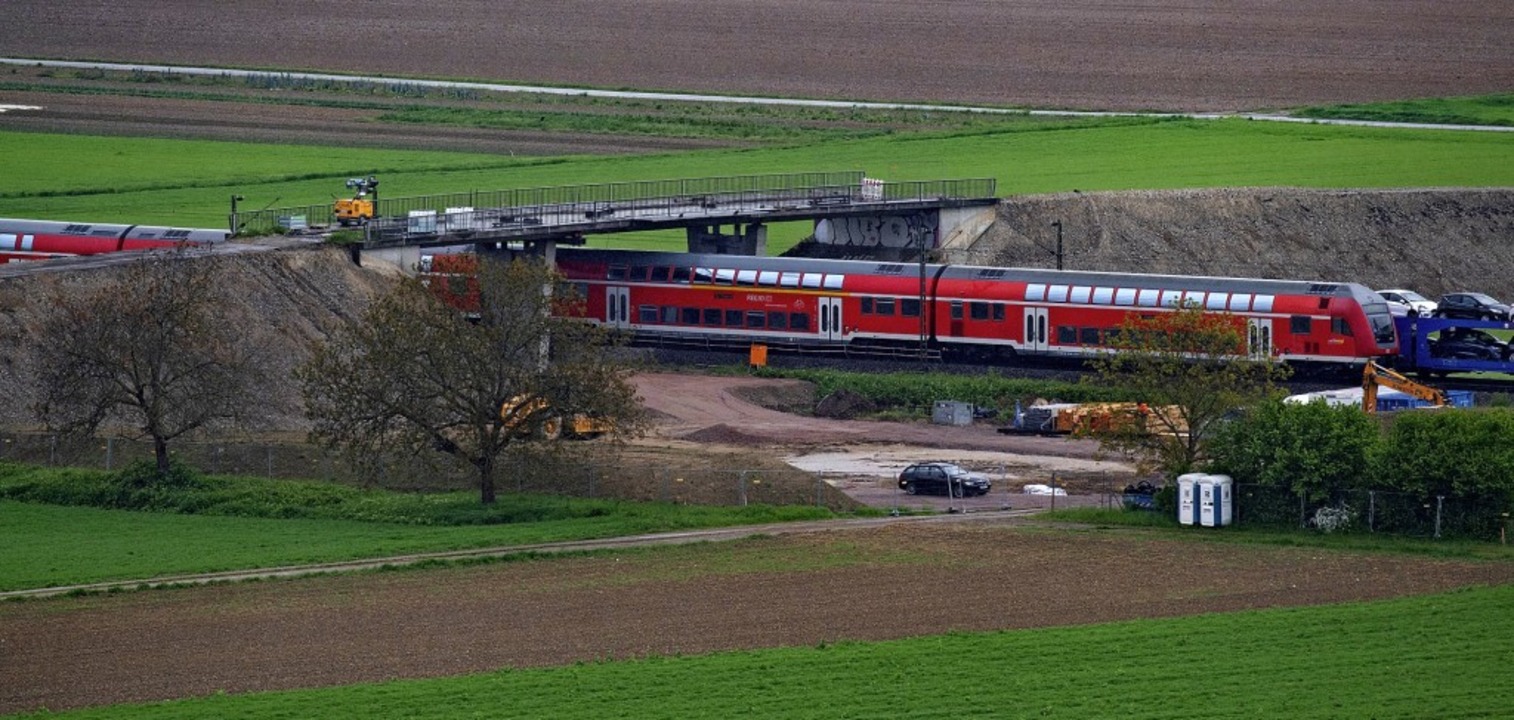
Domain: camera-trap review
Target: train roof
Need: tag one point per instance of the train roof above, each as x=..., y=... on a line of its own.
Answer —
x=984, y=273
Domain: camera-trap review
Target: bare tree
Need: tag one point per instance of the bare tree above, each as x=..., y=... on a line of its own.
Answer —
x=148, y=350
x=1190, y=369
x=416, y=375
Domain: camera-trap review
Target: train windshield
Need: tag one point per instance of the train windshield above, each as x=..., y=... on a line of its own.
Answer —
x=1381, y=321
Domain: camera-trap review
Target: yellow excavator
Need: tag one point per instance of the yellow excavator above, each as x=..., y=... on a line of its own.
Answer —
x=523, y=416
x=359, y=209
x=1374, y=376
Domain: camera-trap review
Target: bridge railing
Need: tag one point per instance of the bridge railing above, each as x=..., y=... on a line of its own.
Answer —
x=525, y=208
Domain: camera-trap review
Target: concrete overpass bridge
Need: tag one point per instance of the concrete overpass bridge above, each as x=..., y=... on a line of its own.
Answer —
x=722, y=215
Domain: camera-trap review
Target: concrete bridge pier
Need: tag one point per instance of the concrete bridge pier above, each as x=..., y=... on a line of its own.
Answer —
x=709, y=240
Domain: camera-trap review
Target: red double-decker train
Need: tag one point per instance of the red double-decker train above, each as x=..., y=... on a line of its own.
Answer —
x=43, y=239
x=991, y=313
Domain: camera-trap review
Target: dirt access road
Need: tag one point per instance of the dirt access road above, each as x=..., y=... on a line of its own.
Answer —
x=862, y=458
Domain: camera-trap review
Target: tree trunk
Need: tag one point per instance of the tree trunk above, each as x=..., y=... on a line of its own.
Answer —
x=160, y=451
x=486, y=480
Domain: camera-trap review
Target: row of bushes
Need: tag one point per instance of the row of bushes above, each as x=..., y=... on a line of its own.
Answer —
x=922, y=390
x=1321, y=453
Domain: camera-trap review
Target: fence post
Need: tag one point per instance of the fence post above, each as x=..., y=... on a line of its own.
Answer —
x=1439, y=503
x=741, y=489
x=52, y=450
x=110, y=453
x=1053, y=492
x=268, y=455
x=1301, y=522
x=1371, y=511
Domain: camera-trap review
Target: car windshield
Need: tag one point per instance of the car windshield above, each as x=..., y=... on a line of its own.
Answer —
x=1412, y=296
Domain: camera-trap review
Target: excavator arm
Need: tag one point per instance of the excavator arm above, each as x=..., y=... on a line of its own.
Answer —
x=1374, y=376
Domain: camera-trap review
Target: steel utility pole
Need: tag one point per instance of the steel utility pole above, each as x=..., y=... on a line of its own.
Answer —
x=1058, y=225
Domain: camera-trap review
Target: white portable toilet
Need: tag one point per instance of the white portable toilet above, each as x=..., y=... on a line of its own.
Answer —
x=1216, y=506
x=1224, y=499
x=1188, y=507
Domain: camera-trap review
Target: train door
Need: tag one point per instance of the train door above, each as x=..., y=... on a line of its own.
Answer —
x=1259, y=338
x=1037, y=334
x=618, y=306
x=830, y=319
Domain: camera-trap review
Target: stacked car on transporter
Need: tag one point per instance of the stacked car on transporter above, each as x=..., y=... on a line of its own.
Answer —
x=995, y=314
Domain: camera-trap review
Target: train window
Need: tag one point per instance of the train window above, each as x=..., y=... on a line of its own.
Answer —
x=1216, y=301
x=777, y=320
x=661, y=274
x=767, y=277
x=1056, y=293
x=1089, y=336
x=1298, y=324
x=956, y=309
x=1080, y=294
x=1194, y=298
x=177, y=234
x=799, y=321
x=639, y=274
x=1148, y=298
x=746, y=277
x=1125, y=296
x=691, y=316
x=733, y=318
x=789, y=279
x=616, y=272
x=867, y=306
x=833, y=282
x=725, y=277
x=704, y=275
x=77, y=230
x=756, y=319
x=580, y=290
x=999, y=312
x=1103, y=296
x=712, y=316
x=1113, y=337
x=1262, y=303
x=1339, y=327
x=978, y=310
x=1067, y=335
x=1171, y=298
x=1035, y=292
x=810, y=280
x=646, y=313
x=909, y=307
x=1240, y=302
x=682, y=274
x=670, y=315
x=885, y=306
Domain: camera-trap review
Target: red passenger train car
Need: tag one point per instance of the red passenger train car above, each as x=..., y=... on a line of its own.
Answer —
x=44, y=239
x=988, y=312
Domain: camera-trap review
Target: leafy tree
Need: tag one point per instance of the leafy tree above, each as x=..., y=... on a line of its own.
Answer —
x=1311, y=449
x=1465, y=454
x=1191, y=370
x=416, y=375
x=151, y=350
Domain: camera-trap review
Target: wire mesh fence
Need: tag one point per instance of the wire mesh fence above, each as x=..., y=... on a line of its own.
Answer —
x=569, y=474
x=1372, y=511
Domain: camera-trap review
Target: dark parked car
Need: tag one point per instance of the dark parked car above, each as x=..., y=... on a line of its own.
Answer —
x=1468, y=344
x=936, y=477
x=1471, y=306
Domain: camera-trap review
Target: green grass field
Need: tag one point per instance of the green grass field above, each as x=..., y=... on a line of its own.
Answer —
x=51, y=545
x=1479, y=110
x=127, y=180
x=1440, y=656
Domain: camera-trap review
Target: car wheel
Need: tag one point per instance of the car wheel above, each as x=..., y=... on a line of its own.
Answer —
x=910, y=489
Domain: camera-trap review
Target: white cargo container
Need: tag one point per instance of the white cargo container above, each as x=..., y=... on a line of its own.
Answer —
x=421, y=221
